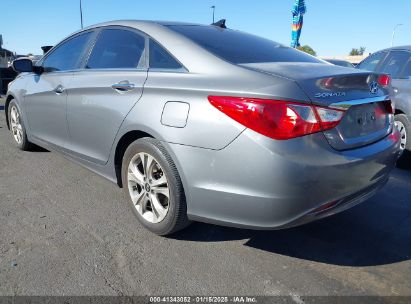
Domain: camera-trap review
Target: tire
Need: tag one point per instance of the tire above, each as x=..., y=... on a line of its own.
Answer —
x=145, y=188
x=17, y=128
x=404, y=124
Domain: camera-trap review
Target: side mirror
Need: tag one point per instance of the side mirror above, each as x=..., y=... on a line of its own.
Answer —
x=46, y=48
x=23, y=65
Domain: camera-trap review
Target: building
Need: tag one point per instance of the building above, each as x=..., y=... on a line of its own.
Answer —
x=352, y=59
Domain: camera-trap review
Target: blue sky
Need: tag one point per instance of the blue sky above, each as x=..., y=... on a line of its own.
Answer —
x=332, y=27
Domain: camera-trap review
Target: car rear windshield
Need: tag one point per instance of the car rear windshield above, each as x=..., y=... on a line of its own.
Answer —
x=240, y=48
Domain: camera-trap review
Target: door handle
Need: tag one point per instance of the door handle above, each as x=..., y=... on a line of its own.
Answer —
x=123, y=86
x=59, y=89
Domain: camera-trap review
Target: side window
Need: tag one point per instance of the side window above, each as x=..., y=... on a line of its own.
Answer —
x=406, y=72
x=372, y=62
x=395, y=62
x=67, y=56
x=161, y=59
x=117, y=49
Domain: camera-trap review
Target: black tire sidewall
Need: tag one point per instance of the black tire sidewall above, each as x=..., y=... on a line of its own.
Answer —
x=405, y=160
x=176, y=200
x=407, y=124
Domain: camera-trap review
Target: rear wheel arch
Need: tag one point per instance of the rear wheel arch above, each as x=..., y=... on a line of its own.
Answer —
x=405, y=159
x=125, y=141
x=398, y=111
x=169, y=214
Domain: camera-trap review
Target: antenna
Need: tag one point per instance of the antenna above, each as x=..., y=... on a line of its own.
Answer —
x=213, y=7
x=220, y=23
x=81, y=15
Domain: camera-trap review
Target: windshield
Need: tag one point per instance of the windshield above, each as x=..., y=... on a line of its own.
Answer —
x=238, y=47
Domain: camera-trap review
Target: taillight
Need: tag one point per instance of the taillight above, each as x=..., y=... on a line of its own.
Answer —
x=277, y=119
x=384, y=80
x=329, y=118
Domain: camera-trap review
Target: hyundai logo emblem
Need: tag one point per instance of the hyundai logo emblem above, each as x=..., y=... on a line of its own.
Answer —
x=374, y=87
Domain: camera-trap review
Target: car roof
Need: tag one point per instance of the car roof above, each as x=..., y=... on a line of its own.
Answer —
x=186, y=51
x=140, y=23
x=404, y=47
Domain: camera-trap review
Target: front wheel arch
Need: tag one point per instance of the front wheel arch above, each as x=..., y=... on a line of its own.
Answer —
x=6, y=109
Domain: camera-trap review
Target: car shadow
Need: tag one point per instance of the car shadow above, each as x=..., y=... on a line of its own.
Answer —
x=377, y=232
x=38, y=149
x=405, y=163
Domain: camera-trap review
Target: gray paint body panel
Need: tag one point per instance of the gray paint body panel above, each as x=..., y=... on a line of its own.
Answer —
x=45, y=109
x=272, y=183
x=95, y=111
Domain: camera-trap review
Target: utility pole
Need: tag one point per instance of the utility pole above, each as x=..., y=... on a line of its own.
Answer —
x=213, y=7
x=81, y=15
x=393, y=33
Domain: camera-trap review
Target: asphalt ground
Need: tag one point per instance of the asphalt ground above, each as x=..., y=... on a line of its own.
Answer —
x=66, y=231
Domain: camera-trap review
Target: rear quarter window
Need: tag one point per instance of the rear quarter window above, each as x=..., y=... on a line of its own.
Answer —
x=161, y=59
x=240, y=48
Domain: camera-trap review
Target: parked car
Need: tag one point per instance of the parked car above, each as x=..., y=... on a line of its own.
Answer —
x=397, y=63
x=6, y=76
x=342, y=63
x=195, y=124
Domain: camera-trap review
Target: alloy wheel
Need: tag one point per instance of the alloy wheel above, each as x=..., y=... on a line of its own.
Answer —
x=400, y=126
x=148, y=187
x=16, y=127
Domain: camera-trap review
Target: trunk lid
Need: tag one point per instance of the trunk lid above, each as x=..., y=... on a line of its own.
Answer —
x=366, y=119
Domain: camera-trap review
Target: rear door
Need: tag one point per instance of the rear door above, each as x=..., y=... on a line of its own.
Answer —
x=101, y=95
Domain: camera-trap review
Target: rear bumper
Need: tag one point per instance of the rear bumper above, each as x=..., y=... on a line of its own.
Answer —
x=260, y=183
x=338, y=206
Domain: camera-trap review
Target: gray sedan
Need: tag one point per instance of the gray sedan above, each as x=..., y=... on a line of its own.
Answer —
x=206, y=123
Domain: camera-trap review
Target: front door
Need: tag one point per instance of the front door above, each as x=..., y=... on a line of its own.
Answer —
x=46, y=96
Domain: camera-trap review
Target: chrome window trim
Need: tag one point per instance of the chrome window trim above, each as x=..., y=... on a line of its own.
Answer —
x=114, y=70
x=97, y=70
x=163, y=70
x=345, y=105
